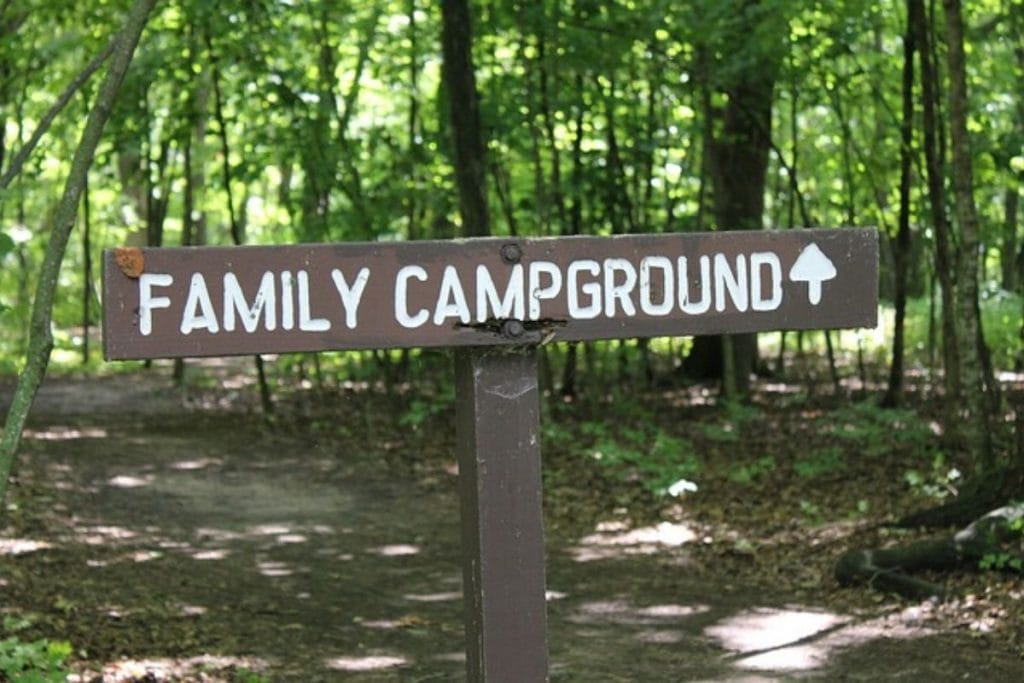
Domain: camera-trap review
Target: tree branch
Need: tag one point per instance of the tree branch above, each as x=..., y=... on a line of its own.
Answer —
x=44, y=124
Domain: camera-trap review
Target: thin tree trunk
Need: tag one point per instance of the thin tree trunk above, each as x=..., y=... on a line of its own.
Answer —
x=975, y=428
x=1008, y=253
x=40, y=336
x=86, y=270
x=569, y=370
x=236, y=224
x=934, y=154
x=901, y=254
x=414, y=143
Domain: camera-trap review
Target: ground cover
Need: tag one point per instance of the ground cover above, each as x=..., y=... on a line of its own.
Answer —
x=184, y=536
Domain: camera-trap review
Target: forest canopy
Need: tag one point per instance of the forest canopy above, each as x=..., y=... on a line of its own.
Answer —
x=264, y=122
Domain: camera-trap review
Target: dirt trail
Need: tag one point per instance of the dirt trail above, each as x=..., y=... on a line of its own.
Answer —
x=158, y=537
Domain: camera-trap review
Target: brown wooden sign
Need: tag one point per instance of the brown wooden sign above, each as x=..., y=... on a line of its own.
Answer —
x=217, y=301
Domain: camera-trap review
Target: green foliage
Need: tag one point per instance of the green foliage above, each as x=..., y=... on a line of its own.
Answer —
x=6, y=247
x=875, y=431
x=38, y=661
x=747, y=474
x=1002, y=313
x=819, y=462
x=661, y=463
x=1002, y=318
x=810, y=511
x=729, y=427
x=656, y=458
x=423, y=409
x=1001, y=562
x=939, y=482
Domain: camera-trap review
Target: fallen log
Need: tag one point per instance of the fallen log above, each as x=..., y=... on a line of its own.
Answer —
x=996, y=535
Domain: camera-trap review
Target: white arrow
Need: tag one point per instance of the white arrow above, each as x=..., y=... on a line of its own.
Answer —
x=812, y=267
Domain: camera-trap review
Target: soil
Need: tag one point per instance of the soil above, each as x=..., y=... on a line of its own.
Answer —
x=173, y=536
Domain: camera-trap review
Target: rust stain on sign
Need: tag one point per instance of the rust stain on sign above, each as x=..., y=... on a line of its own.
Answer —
x=130, y=260
x=219, y=301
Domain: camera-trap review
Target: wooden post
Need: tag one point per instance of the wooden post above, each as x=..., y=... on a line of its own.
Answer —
x=498, y=447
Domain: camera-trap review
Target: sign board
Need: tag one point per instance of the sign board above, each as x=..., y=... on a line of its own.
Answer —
x=218, y=301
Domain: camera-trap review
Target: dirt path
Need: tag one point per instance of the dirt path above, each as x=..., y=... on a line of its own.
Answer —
x=189, y=544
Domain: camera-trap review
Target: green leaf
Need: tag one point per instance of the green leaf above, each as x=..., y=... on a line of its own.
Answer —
x=6, y=245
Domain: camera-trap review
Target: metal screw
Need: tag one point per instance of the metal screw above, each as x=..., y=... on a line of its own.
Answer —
x=511, y=253
x=512, y=329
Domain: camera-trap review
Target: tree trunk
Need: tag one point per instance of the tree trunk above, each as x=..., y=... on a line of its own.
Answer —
x=86, y=270
x=569, y=370
x=934, y=154
x=1008, y=253
x=901, y=252
x=464, y=104
x=40, y=336
x=739, y=145
x=975, y=422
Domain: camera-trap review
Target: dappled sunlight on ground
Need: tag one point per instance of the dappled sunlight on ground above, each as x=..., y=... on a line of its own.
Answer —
x=623, y=611
x=170, y=669
x=774, y=631
x=395, y=550
x=797, y=639
x=615, y=538
x=177, y=537
x=367, y=663
x=59, y=433
x=21, y=546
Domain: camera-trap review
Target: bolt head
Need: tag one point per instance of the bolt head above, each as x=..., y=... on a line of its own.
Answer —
x=511, y=253
x=512, y=329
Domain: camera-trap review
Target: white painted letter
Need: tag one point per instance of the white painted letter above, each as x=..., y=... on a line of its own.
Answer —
x=451, y=300
x=685, y=304
x=757, y=260
x=402, y=297
x=234, y=301
x=192, y=318
x=646, y=304
x=736, y=284
x=307, y=324
x=621, y=292
x=287, y=304
x=591, y=289
x=350, y=296
x=147, y=302
x=511, y=305
x=537, y=293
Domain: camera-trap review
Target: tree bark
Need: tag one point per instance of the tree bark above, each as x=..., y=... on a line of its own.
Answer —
x=40, y=337
x=933, y=153
x=86, y=269
x=1008, y=253
x=739, y=144
x=464, y=104
x=975, y=422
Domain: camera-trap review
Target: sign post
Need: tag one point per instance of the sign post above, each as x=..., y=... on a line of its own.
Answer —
x=498, y=441
x=494, y=300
